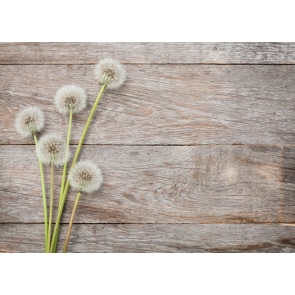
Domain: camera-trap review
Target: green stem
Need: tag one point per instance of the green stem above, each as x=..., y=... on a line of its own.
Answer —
x=87, y=126
x=56, y=228
x=65, y=164
x=64, y=250
x=44, y=198
x=51, y=205
x=64, y=170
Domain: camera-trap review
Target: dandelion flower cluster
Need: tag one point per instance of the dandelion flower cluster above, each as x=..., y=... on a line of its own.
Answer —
x=110, y=72
x=29, y=121
x=52, y=150
x=86, y=177
x=70, y=97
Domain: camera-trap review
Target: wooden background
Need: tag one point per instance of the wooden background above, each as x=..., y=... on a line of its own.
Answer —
x=197, y=148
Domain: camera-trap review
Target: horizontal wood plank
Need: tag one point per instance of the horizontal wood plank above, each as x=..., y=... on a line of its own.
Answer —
x=155, y=238
x=162, y=184
x=159, y=53
x=161, y=104
x=197, y=148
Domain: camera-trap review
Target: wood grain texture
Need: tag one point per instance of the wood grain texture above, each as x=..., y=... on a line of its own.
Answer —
x=161, y=104
x=159, y=53
x=155, y=238
x=162, y=184
x=197, y=148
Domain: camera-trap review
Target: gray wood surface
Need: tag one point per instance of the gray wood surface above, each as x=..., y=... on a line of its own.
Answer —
x=163, y=184
x=155, y=238
x=162, y=104
x=159, y=53
x=197, y=148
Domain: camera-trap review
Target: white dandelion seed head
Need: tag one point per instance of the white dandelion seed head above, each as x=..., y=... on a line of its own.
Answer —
x=70, y=96
x=110, y=72
x=51, y=150
x=29, y=121
x=86, y=177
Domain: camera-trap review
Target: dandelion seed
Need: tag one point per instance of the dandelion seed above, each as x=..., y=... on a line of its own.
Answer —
x=29, y=121
x=110, y=72
x=70, y=97
x=86, y=177
x=52, y=150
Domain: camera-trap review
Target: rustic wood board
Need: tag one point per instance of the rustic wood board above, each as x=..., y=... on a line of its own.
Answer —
x=197, y=148
x=155, y=238
x=159, y=53
x=162, y=184
x=161, y=104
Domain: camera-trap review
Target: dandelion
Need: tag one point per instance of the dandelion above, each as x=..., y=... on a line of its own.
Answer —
x=52, y=150
x=110, y=72
x=70, y=98
x=85, y=177
x=111, y=75
x=29, y=121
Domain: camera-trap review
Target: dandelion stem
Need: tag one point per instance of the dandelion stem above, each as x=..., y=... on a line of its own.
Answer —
x=86, y=127
x=65, y=164
x=64, y=250
x=51, y=205
x=56, y=228
x=44, y=198
x=65, y=169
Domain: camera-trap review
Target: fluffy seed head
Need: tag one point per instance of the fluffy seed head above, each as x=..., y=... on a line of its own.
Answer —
x=52, y=150
x=86, y=177
x=110, y=72
x=29, y=121
x=70, y=96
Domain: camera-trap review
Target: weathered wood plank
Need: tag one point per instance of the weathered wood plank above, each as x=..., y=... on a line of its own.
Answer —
x=155, y=238
x=162, y=104
x=162, y=184
x=160, y=53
